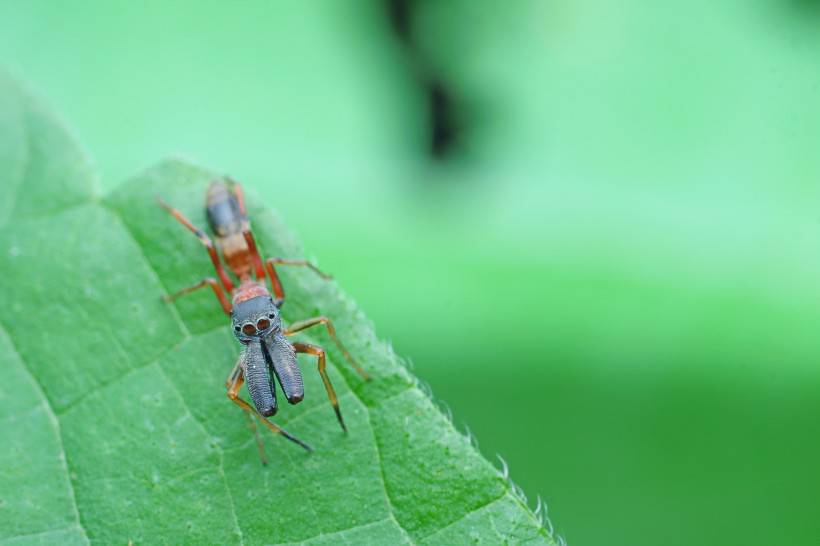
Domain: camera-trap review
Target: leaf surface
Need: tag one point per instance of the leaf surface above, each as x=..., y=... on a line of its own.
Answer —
x=113, y=413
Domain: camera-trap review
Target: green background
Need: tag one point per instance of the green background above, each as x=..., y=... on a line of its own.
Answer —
x=613, y=277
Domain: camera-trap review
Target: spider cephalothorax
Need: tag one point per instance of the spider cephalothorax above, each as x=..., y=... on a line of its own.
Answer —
x=255, y=318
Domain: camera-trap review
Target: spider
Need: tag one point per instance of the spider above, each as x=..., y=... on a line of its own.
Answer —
x=255, y=318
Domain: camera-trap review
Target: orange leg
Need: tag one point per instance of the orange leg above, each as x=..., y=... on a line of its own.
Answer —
x=309, y=323
x=301, y=263
x=246, y=229
x=251, y=242
x=240, y=196
x=205, y=240
x=276, y=284
x=319, y=353
x=235, y=373
x=259, y=445
x=233, y=394
x=220, y=294
x=254, y=250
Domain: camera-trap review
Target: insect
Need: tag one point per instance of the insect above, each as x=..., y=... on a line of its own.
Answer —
x=255, y=318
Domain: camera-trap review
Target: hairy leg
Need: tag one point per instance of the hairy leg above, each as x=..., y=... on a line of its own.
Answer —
x=205, y=240
x=319, y=353
x=218, y=291
x=233, y=395
x=316, y=321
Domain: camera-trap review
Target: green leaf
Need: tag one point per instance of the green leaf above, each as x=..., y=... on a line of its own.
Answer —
x=113, y=416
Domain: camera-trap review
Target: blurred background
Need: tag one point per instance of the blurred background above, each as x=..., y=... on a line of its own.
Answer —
x=593, y=226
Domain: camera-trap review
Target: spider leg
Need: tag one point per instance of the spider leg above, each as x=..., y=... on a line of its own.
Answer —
x=205, y=240
x=218, y=291
x=259, y=445
x=319, y=353
x=236, y=188
x=276, y=283
x=309, y=323
x=233, y=395
x=235, y=372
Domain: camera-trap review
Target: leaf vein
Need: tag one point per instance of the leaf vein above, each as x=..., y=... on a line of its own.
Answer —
x=154, y=272
x=468, y=514
x=221, y=467
x=55, y=423
x=117, y=379
x=340, y=533
x=41, y=533
x=382, y=477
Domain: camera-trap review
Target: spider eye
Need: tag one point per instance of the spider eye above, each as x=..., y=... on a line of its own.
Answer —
x=249, y=329
x=271, y=316
x=262, y=324
x=237, y=328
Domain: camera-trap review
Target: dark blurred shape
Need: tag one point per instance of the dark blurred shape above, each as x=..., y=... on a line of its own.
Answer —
x=444, y=131
x=443, y=128
x=399, y=13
